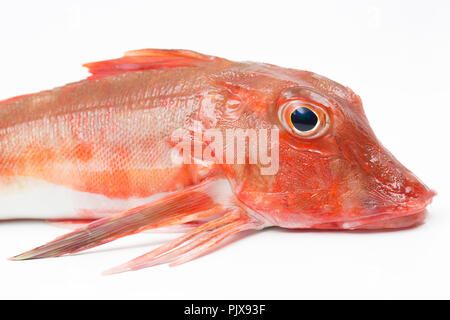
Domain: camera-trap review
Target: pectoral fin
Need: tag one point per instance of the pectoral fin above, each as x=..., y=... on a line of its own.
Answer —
x=193, y=244
x=187, y=205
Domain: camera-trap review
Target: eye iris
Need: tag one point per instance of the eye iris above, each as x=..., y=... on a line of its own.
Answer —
x=304, y=119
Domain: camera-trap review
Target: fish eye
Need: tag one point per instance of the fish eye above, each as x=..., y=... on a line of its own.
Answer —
x=303, y=118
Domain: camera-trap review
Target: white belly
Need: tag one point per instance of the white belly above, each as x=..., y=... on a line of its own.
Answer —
x=30, y=198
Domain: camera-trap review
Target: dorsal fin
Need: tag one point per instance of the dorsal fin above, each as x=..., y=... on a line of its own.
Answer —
x=146, y=59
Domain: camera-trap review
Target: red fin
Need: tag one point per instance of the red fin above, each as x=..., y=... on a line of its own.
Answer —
x=69, y=223
x=193, y=244
x=146, y=59
x=180, y=207
x=73, y=224
x=209, y=200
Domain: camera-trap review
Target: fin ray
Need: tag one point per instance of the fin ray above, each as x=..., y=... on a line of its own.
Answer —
x=146, y=59
x=196, y=243
x=187, y=205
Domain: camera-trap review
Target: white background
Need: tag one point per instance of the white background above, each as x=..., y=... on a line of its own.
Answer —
x=394, y=54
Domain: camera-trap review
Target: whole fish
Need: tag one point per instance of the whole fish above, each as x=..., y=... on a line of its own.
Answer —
x=148, y=141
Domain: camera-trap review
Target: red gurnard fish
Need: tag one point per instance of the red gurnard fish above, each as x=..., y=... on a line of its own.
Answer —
x=115, y=150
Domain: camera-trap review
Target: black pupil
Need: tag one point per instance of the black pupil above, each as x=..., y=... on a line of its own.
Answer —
x=303, y=119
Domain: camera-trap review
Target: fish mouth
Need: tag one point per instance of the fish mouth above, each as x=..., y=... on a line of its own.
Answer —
x=401, y=216
x=407, y=216
x=390, y=221
x=395, y=219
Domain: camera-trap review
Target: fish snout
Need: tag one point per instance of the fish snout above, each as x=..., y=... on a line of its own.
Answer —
x=385, y=187
x=415, y=190
x=395, y=206
x=406, y=195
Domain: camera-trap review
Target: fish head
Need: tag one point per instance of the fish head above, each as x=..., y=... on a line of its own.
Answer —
x=332, y=171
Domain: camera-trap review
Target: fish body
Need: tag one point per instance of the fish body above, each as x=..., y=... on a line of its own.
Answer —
x=100, y=144
x=136, y=147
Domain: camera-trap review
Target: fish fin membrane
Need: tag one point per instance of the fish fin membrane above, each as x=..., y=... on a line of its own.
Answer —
x=188, y=205
x=69, y=223
x=147, y=59
x=193, y=244
x=73, y=224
